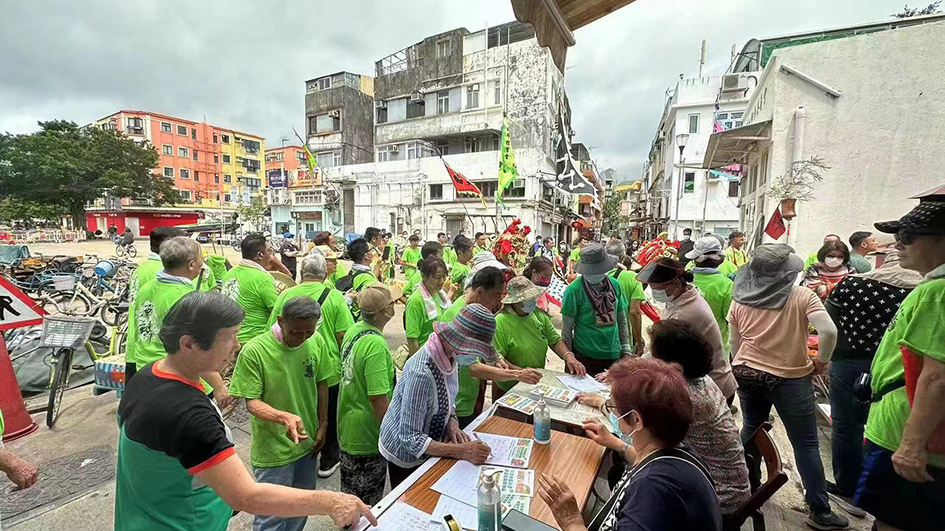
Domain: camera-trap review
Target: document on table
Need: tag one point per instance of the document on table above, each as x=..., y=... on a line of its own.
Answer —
x=462, y=479
x=398, y=517
x=467, y=515
x=507, y=451
x=581, y=384
x=518, y=403
x=576, y=413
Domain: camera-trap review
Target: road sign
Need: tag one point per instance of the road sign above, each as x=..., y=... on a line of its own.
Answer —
x=16, y=308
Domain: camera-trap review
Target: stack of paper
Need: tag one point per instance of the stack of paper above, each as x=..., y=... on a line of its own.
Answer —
x=507, y=451
x=518, y=403
x=462, y=479
x=582, y=384
x=555, y=395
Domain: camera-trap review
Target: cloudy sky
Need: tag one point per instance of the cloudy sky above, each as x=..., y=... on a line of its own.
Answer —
x=243, y=64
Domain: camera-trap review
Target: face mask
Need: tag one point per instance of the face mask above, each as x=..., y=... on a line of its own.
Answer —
x=595, y=279
x=660, y=295
x=615, y=427
x=686, y=237
x=833, y=262
x=543, y=282
x=529, y=306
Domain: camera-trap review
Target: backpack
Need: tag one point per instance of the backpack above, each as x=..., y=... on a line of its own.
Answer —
x=346, y=283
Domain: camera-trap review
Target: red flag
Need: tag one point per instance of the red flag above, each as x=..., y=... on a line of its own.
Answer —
x=775, y=227
x=462, y=184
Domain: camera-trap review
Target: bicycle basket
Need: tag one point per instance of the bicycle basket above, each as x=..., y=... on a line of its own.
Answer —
x=66, y=331
x=64, y=282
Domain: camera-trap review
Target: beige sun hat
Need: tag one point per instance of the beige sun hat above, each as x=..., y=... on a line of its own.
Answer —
x=520, y=289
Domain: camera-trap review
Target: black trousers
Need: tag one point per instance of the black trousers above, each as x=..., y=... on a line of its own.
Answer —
x=329, y=454
x=397, y=475
x=130, y=369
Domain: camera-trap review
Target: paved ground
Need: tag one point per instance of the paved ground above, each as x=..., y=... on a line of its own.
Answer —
x=87, y=421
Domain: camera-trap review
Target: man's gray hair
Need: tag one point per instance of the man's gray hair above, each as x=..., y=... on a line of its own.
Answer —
x=302, y=308
x=177, y=251
x=200, y=315
x=314, y=266
x=616, y=249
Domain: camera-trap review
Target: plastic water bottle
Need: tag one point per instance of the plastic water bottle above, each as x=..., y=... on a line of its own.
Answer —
x=542, y=422
x=490, y=507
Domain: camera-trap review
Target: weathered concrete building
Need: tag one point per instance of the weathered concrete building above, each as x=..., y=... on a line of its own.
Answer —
x=445, y=96
x=862, y=99
x=339, y=118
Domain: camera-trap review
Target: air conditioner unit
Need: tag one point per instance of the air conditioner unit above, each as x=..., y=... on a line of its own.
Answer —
x=475, y=86
x=393, y=149
x=416, y=96
x=334, y=114
x=734, y=83
x=380, y=104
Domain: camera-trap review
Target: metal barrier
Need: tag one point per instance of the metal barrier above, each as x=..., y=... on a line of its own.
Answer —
x=44, y=236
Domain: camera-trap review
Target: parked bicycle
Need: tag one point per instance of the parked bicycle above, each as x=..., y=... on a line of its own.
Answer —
x=71, y=298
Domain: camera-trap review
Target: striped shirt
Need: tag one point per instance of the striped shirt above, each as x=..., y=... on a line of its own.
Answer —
x=420, y=410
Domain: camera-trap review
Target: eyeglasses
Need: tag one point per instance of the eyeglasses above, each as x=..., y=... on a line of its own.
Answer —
x=905, y=237
x=610, y=406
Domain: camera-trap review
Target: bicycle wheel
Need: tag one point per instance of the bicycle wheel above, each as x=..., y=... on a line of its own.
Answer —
x=132, y=252
x=64, y=303
x=57, y=388
x=119, y=251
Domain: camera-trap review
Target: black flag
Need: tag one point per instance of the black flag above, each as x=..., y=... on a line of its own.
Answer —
x=569, y=176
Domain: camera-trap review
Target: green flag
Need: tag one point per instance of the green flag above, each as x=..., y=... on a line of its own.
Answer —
x=508, y=172
x=310, y=157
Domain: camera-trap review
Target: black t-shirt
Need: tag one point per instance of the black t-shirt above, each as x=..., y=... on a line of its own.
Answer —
x=288, y=247
x=668, y=494
x=862, y=308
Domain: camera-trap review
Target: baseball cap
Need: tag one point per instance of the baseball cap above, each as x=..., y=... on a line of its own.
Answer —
x=703, y=246
x=375, y=297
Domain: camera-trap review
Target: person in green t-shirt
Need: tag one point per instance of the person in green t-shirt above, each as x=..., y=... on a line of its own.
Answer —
x=390, y=252
x=487, y=287
x=251, y=286
x=862, y=243
x=595, y=312
x=903, y=480
x=464, y=253
x=325, y=243
x=735, y=252
x=427, y=250
x=449, y=254
x=283, y=376
x=481, y=243
x=632, y=291
x=411, y=256
x=426, y=304
x=714, y=286
x=335, y=320
x=523, y=333
x=177, y=467
x=22, y=473
x=575, y=257
x=182, y=263
x=367, y=385
x=218, y=265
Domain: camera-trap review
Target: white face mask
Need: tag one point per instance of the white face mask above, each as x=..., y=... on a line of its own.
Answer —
x=660, y=295
x=833, y=261
x=529, y=306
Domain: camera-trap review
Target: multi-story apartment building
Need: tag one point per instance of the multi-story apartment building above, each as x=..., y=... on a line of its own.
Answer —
x=213, y=168
x=296, y=196
x=588, y=207
x=681, y=193
x=446, y=96
x=339, y=118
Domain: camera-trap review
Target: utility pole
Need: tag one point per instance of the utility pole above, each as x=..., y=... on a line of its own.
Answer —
x=702, y=59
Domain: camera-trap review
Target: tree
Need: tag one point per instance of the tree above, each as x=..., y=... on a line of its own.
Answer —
x=18, y=209
x=66, y=167
x=930, y=9
x=252, y=213
x=613, y=219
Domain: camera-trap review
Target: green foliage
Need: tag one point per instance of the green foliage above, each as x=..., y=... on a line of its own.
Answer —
x=19, y=209
x=65, y=167
x=930, y=9
x=613, y=219
x=251, y=214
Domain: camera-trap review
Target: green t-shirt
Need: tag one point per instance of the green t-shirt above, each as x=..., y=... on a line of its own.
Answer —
x=575, y=256
x=449, y=256
x=726, y=268
x=217, y=265
x=468, y=384
x=811, y=260
x=737, y=257
x=151, y=304
x=255, y=291
x=336, y=318
x=285, y=379
x=524, y=341
x=632, y=290
x=419, y=326
x=412, y=282
x=716, y=289
x=367, y=370
x=589, y=339
x=919, y=326
x=143, y=274
x=332, y=279
x=411, y=255
x=459, y=274
x=859, y=263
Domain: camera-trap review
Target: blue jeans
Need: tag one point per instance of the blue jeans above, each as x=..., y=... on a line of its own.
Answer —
x=847, y=416
x=301, y=475
x=794, y=401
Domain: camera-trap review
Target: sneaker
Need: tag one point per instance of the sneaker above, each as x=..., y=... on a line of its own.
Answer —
x=845, y=503
x=828, y=520
x=326, y=473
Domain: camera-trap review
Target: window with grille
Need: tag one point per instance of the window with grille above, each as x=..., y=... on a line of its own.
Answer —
x=169, y=172
x=733, y=188
x=488, y=188
x=689, y=184
x=182, y=130
x=472, y=96
x=165, y=127
x=436, y=192
x=183, y=152
x=184, y=173
x=225, y=139
x=442, y=102
x=227, y=178
x=226, y=159
x=167, y=149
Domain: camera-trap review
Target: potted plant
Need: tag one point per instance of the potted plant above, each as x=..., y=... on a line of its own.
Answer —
x=797, y=184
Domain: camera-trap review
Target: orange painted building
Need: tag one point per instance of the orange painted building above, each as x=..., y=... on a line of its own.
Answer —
x=288, y=165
